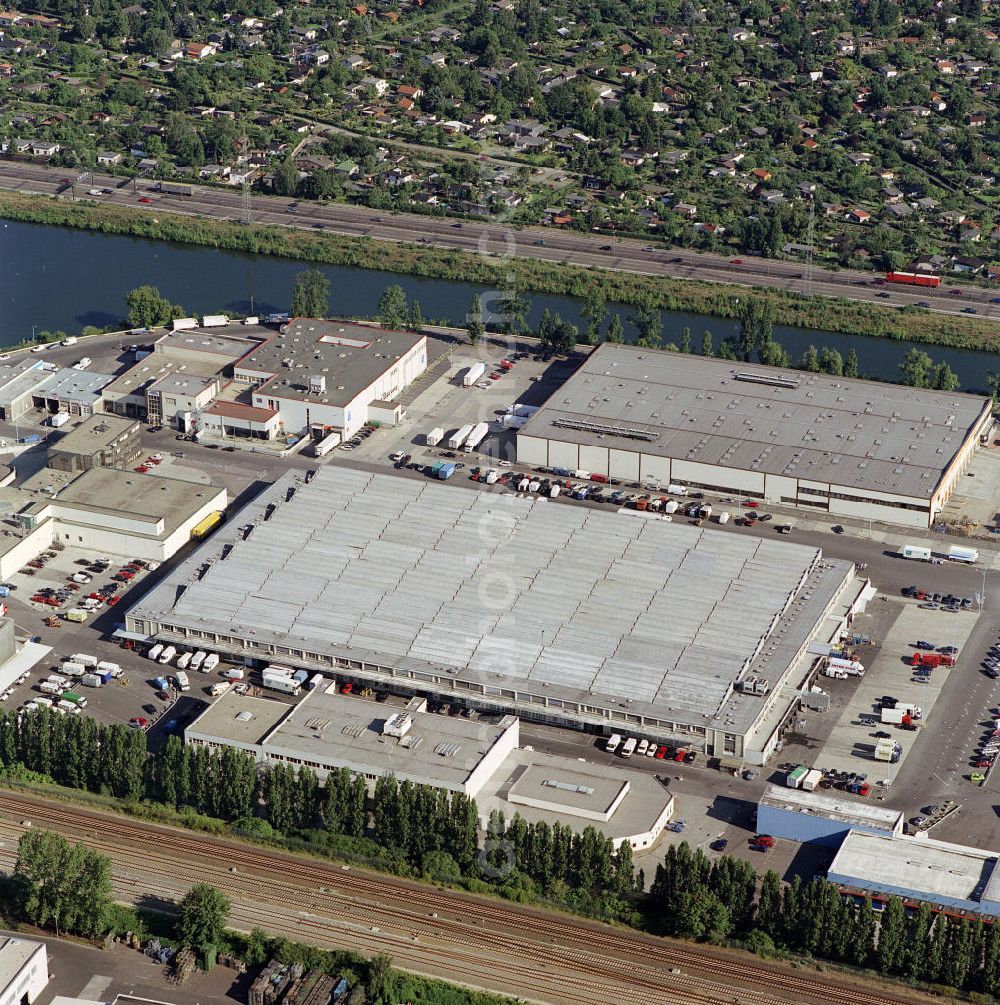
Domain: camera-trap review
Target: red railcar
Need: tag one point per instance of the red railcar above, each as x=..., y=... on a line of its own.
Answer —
x=912, y=279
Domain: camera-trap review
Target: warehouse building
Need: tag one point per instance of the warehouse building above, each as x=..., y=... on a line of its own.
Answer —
x=37, y=384
x=332, y=376
x=950, y=876
x=573, y=616
x=24, y=970
x=847, y=447
x=101, y=441
x=821, y=819
x=326, y=730
x=103, y=509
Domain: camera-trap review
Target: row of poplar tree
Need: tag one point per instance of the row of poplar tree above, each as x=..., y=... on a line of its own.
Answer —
x=428, y=829
x=695, y=897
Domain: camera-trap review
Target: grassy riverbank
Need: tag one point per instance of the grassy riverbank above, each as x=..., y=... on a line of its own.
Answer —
x=816, y=312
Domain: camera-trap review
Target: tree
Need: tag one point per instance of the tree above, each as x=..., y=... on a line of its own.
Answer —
x=943, y=378
x=685, y=343
x=616, y=330
x=707, y=345
x=286, y=178
x=915, y=367
x=595, y=310
x=203, y=916
x=311, y=296
x=851, y=364
x=148, y=309
x=392, y=309
x=891, y=931
x=474, y=327
x=514, y=308
x=381, y=982
x=649, y=322
x=993, y=384
x=415, y=322
x=810, y=360
x=62, y=885
x=830, y=361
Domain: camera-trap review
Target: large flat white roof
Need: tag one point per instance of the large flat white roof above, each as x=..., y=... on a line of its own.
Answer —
x=858, y=433
x=848, y=811
x=510, y=593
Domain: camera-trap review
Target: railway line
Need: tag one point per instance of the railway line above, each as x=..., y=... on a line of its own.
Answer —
x=545, y=957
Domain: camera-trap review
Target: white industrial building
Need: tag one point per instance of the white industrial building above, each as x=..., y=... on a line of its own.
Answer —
x=102, y=509
x=847, y=447
x=567, y=615
x=24, y=970
x=332, y=376
x=480, y=759
x=38, y=384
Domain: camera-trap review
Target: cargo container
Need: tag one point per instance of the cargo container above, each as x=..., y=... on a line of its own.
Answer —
x=183, y=684
x=959, y=554
x=446, y=471
x=795, y=777
x=473, y=374
x=435, y=436
x=479, y=433
x=173, y=188
x=301, y=676
x=90, y=680
x=915, y=551
x=896, y=716
x=812, y=779
x=459, y=436
x=76, y=615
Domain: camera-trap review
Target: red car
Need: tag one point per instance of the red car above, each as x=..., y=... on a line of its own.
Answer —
x=346, y=688
x=113, y=600
x=661, y=753
x=679, y=756
x=138, y=722
x=735, y=261
x=145, y=199
x=751, y=504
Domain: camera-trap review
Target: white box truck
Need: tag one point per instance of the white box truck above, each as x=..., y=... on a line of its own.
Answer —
x=959, y=554
x=812, y=779
x=435, y=436
x=473, y=374
x=167, y=655
x=851, y=667
x=219, y=688
x=198, y=659
x=183, y=684
x=59, y=419
x=85, y=660
x=915, y=551
x=286, y=685
x=677, y=490
x=458, y=437
x=614, y=741
x=479, y=433
x=210, y=663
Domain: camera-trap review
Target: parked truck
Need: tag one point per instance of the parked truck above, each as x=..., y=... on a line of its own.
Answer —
x=850, y=667
x=435, y=436
x=59, y=419
x=473, y=374
x=183, y=684
x=796, y=776
x=959, y=554
x=286, y=685
x=458, y=437
x=76, y=615
x=812, y=779
x=916, y=552
x=922, y=659
x=479, y=433
x=897, y=716
x=91, y=680
x=888, y=750
x=445, y=471
x=77, y=699
x=219, y=688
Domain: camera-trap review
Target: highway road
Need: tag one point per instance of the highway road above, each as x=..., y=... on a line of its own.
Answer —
x=543, y=244
x=478, y=942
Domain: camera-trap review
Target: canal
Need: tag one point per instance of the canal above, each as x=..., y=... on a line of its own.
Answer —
x=60, y=278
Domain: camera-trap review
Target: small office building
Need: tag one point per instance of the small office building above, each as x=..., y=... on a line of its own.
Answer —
x=100, y=441
x=24, y=970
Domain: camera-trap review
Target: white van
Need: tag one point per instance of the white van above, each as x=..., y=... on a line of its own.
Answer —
x=73, y=669
x=167, y=655
x=154, y=653
x=724, y=518
x=614, y=740
x=642, y=748
x=182, y=681
x=183, y=660
x=677, y=490
x=233, y=673
x=220, y=688
x=211, y=662
x=84, y=659
x=198, y=659
x=629, y=748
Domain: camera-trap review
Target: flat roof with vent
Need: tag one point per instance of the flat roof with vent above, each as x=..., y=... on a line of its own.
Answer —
x=848, y=432
x=326, y=729
x=95, y=433
x=350, y=356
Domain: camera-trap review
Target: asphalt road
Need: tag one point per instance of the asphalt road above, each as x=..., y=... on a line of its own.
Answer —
x=543, y=244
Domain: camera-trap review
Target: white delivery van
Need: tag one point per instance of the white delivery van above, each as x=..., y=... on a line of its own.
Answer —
x=210, y=663
x=723, y=518
x=233, y=673
x=183, y=660
x=183, y=684
x=167, y=655
x=198, y=659
x=614, y=741
x=154, y=653
x=220, y=688
x=677, y=490
x=629, y=747
x=916, y=552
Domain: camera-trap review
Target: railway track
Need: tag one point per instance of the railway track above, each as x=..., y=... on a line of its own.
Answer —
x=641, y=962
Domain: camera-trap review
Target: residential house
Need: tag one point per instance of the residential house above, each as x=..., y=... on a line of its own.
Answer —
x=109, y=159
x=968, y=266
x=859, y=215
